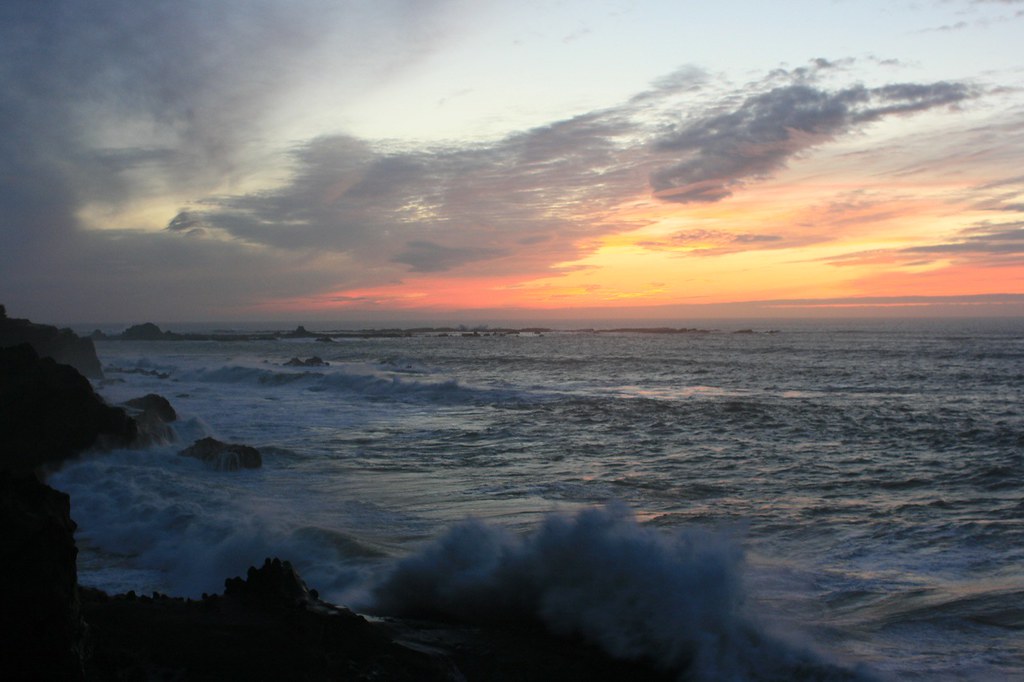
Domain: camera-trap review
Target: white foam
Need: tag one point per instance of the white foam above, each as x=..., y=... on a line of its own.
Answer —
x=674, y=599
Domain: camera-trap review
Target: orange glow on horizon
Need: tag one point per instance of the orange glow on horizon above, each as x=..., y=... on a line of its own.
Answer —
x=791, y=237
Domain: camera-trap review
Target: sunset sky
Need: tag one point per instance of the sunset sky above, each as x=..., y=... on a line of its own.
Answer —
x=455, y=159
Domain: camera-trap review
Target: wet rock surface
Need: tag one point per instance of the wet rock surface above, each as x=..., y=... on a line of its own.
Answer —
x=63, y=345
x=224, y=456
x=42, y=633
x=49, y=412
x=267, y=626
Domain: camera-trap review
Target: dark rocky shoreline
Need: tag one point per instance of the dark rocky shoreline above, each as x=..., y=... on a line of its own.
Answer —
x=268, y=625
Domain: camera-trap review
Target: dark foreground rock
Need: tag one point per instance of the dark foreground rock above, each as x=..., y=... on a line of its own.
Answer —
x=49, y=412
x=224, y=456
x=63, y=345
x=269, y=626
x=266, y=627
x=41, y=627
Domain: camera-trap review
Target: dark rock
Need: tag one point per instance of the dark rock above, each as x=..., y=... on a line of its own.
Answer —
x=41, y=628
x=156, y=404
x=49, y=412
x=513, y=652
x=308, y=362
x=145, y=332
x=63, y=345
x=324, y=339
x=224, y=456
x=275, y=584
x=152, y=414
x=300, y=333
x=266, y=627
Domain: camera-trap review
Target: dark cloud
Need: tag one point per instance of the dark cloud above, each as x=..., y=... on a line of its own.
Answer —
x=987, y=244
x=110, y=103
x=424, y=256
x=724, y=150
x=533, y=195
x=538, y=197
x=982, y=241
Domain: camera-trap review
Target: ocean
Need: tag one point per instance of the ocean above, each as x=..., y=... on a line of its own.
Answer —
x=739, y=501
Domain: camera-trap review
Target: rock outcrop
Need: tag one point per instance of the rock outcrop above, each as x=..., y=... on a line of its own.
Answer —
x=153, y=415
x=146, y=331
x=156, y=404
x=224, y=456
x=49, y=412
x=268, y=626
x=41, y=627
x=63, y=345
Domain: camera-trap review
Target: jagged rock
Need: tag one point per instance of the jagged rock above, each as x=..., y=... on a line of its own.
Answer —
x=41, y=628
x=308, y=362
x=275, y=584
x=266, y=627
x=63, y=345
x=49, y=412
x=224, y=456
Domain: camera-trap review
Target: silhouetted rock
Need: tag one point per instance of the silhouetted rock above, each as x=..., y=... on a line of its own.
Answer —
x=41, y=628
x=275, y=584
x=224, y=456
x=308, y=362
x=49, y=412
x=157, y=404
x=63, y=345
x=146, y=332
x=266, y=627
x=152, y=413
x=300, y=333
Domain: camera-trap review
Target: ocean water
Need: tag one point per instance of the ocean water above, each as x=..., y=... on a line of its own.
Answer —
x=807, y=501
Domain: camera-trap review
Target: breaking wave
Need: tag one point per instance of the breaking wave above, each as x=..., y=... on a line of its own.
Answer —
x=676, y=601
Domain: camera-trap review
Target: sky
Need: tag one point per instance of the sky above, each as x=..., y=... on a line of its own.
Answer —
x=525, y=159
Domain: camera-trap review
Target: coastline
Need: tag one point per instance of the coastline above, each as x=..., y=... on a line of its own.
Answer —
x=267, y=624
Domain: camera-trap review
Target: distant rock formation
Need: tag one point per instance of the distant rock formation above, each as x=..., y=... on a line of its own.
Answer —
x=49, y=412
x=41, y=627
x=224, y=456
x=147, y=332
x=63, y=345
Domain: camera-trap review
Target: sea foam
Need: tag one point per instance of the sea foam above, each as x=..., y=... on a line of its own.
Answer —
x=675, y=600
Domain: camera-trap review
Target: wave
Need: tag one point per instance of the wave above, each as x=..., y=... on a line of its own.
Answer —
x=173, y=527
x=676, y=601
x=370, y=385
